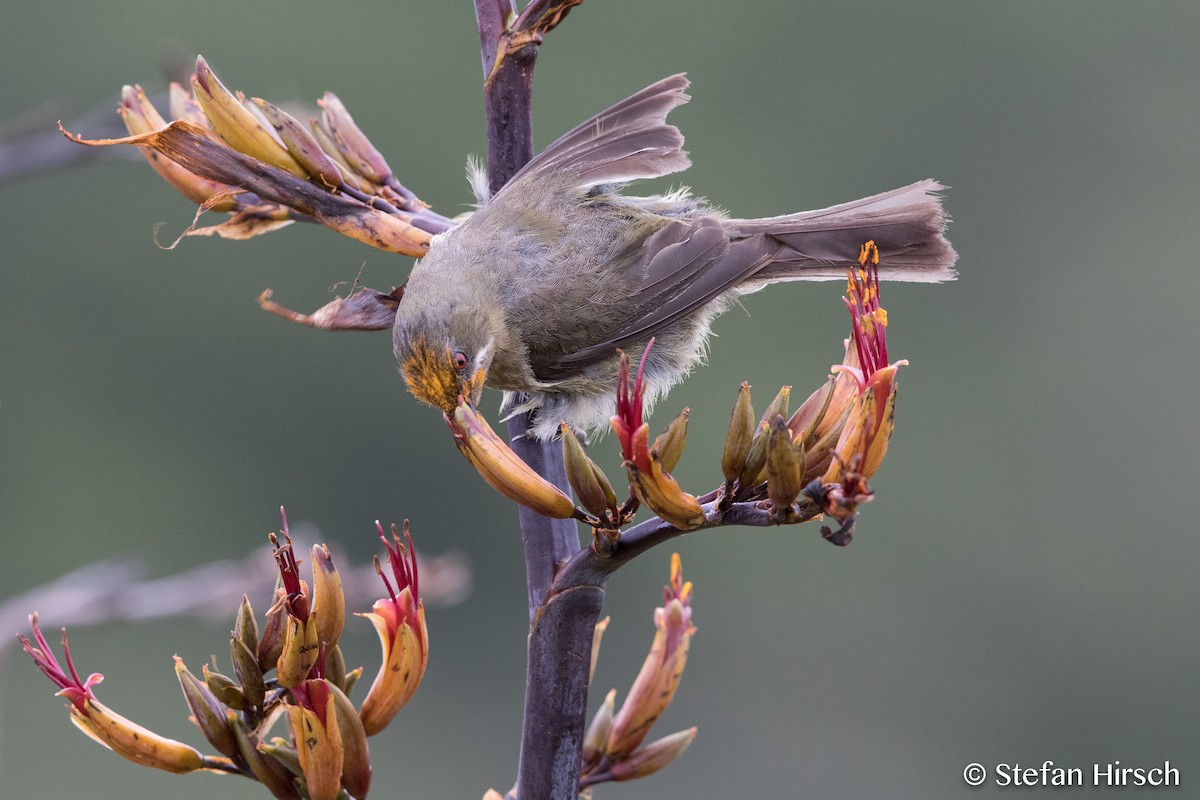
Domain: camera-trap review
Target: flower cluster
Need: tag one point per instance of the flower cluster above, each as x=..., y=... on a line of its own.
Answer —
x=326, y=755
x=813, y=463
x=612, y=748
x=252, y=159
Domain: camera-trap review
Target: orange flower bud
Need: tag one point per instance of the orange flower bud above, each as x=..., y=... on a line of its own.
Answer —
x=124, y=737
x=399, y=620
x=655, y=685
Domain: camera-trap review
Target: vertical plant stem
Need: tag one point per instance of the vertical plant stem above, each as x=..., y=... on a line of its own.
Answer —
x=560, y=636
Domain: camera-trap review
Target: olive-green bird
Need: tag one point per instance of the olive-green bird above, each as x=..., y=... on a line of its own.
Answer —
x=535, y=291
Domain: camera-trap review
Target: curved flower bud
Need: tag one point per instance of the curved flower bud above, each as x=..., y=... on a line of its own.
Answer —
x=785, y=469
x=755, y=471
x=503, y=469
x=655, y=685
x=313, y=722
x=301, y=144
x=236, y=125
x=659, y=491
x=599, y=729
x=248, y=672
x=399, y=619
x=124, y=737
x=739, y=436
x=210, y=714
x=583, y=474
x=329, y=602
x=668, y=447
x=654, y=756
x=352, y=143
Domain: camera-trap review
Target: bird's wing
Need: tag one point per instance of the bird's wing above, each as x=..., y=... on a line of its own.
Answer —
x=686, y=264
x=628, y=142
x=690, y=262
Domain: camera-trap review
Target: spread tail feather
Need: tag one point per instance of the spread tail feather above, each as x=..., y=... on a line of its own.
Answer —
x=907, y=225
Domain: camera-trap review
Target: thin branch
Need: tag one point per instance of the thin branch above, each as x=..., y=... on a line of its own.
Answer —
x=588, y=568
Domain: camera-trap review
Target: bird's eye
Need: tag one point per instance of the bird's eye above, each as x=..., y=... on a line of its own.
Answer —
x=460, y=359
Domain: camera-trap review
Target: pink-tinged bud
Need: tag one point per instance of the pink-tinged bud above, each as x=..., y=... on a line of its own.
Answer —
x=803, y=424
x=628, y=419
x=329, y=603
x=124, y=737
x=301, y=144
x=210, y=714
x=399, y=620
x=654, y=756
x=655, y=685
x=353, y=144
x=313, y=722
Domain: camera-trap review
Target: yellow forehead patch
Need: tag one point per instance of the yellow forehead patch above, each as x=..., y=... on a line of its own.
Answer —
x=431, y=376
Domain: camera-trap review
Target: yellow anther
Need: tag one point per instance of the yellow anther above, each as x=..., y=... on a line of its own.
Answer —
x=868, y=251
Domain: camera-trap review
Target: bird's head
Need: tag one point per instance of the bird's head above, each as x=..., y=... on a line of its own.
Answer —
x=444, y=355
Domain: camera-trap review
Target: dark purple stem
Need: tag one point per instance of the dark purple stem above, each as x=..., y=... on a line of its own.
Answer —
x=560, y=634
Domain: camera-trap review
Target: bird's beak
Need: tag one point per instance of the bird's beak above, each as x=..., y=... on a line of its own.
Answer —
x=472, y=388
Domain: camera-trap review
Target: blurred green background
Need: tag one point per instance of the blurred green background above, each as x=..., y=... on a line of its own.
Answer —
x=1024, y=587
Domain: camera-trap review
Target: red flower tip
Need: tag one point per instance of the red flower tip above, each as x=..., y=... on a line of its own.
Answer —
x=867, y=318
x=403, y=560
x=79, y=692
x=629, y=403
x=289, y=571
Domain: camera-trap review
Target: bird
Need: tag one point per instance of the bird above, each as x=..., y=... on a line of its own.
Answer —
x=538, y=290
